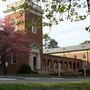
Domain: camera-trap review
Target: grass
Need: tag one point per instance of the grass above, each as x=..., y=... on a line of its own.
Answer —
x=42, y=75
x=47, y=86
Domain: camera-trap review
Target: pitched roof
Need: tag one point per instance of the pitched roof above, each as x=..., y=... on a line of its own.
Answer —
x=69, y=48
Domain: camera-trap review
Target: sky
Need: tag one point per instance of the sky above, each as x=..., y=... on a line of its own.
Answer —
x=65, y=33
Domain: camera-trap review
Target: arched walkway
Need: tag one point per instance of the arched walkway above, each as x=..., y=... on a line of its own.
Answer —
x=44, y=64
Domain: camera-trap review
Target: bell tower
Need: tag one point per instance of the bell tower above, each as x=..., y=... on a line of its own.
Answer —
x=28, y=19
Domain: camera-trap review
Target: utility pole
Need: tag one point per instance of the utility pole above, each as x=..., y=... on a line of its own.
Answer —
x=84, y=68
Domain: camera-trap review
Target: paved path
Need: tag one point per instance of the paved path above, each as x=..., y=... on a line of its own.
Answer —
x=21, y=79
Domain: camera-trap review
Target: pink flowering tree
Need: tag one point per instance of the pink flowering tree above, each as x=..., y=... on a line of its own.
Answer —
x=11, y=41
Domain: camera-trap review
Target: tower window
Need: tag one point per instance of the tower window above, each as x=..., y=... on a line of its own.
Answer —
x=33, y=29
x=34, y=26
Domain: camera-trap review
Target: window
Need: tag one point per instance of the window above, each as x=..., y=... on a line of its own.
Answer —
x=84, y=56
x=34, y=26
x=13, y=58
x=75, y=56
x=33, y=29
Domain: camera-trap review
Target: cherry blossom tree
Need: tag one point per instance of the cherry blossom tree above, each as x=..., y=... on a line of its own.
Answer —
x=12, y=42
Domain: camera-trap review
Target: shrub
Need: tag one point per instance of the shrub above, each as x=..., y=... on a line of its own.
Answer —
x=82, y=71
x=25, y=69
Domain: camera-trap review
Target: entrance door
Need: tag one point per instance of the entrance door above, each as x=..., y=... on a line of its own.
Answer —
x=34, y=63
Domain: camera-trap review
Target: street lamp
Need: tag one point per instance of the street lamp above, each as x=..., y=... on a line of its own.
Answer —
x=63, y=52
x=84, y=69
x=85, y=63
x=86, y=55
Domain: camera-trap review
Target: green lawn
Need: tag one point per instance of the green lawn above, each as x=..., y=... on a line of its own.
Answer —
x=47, y=86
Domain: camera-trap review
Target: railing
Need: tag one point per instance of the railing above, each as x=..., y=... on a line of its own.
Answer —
x=16, y=4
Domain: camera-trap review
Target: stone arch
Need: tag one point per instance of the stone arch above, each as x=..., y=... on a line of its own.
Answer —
x=44, y=64
x=66, y=65
x=74, y=65
x=78, y=65
x=49, y=65
x=70, y=65
x=55, y=66
x=61, y=64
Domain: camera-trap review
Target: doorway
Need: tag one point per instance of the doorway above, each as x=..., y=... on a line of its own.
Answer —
x=34, y=62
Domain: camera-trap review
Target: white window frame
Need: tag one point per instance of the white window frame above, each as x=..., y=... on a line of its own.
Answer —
x=34, y=30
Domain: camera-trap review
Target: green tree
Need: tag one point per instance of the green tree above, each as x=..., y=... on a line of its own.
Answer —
x=85, y=42
x=48, y=42
x=53, y=44
x=46, y=38
x=62, y=8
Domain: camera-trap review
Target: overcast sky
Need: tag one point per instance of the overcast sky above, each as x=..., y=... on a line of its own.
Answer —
x=66, y=33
